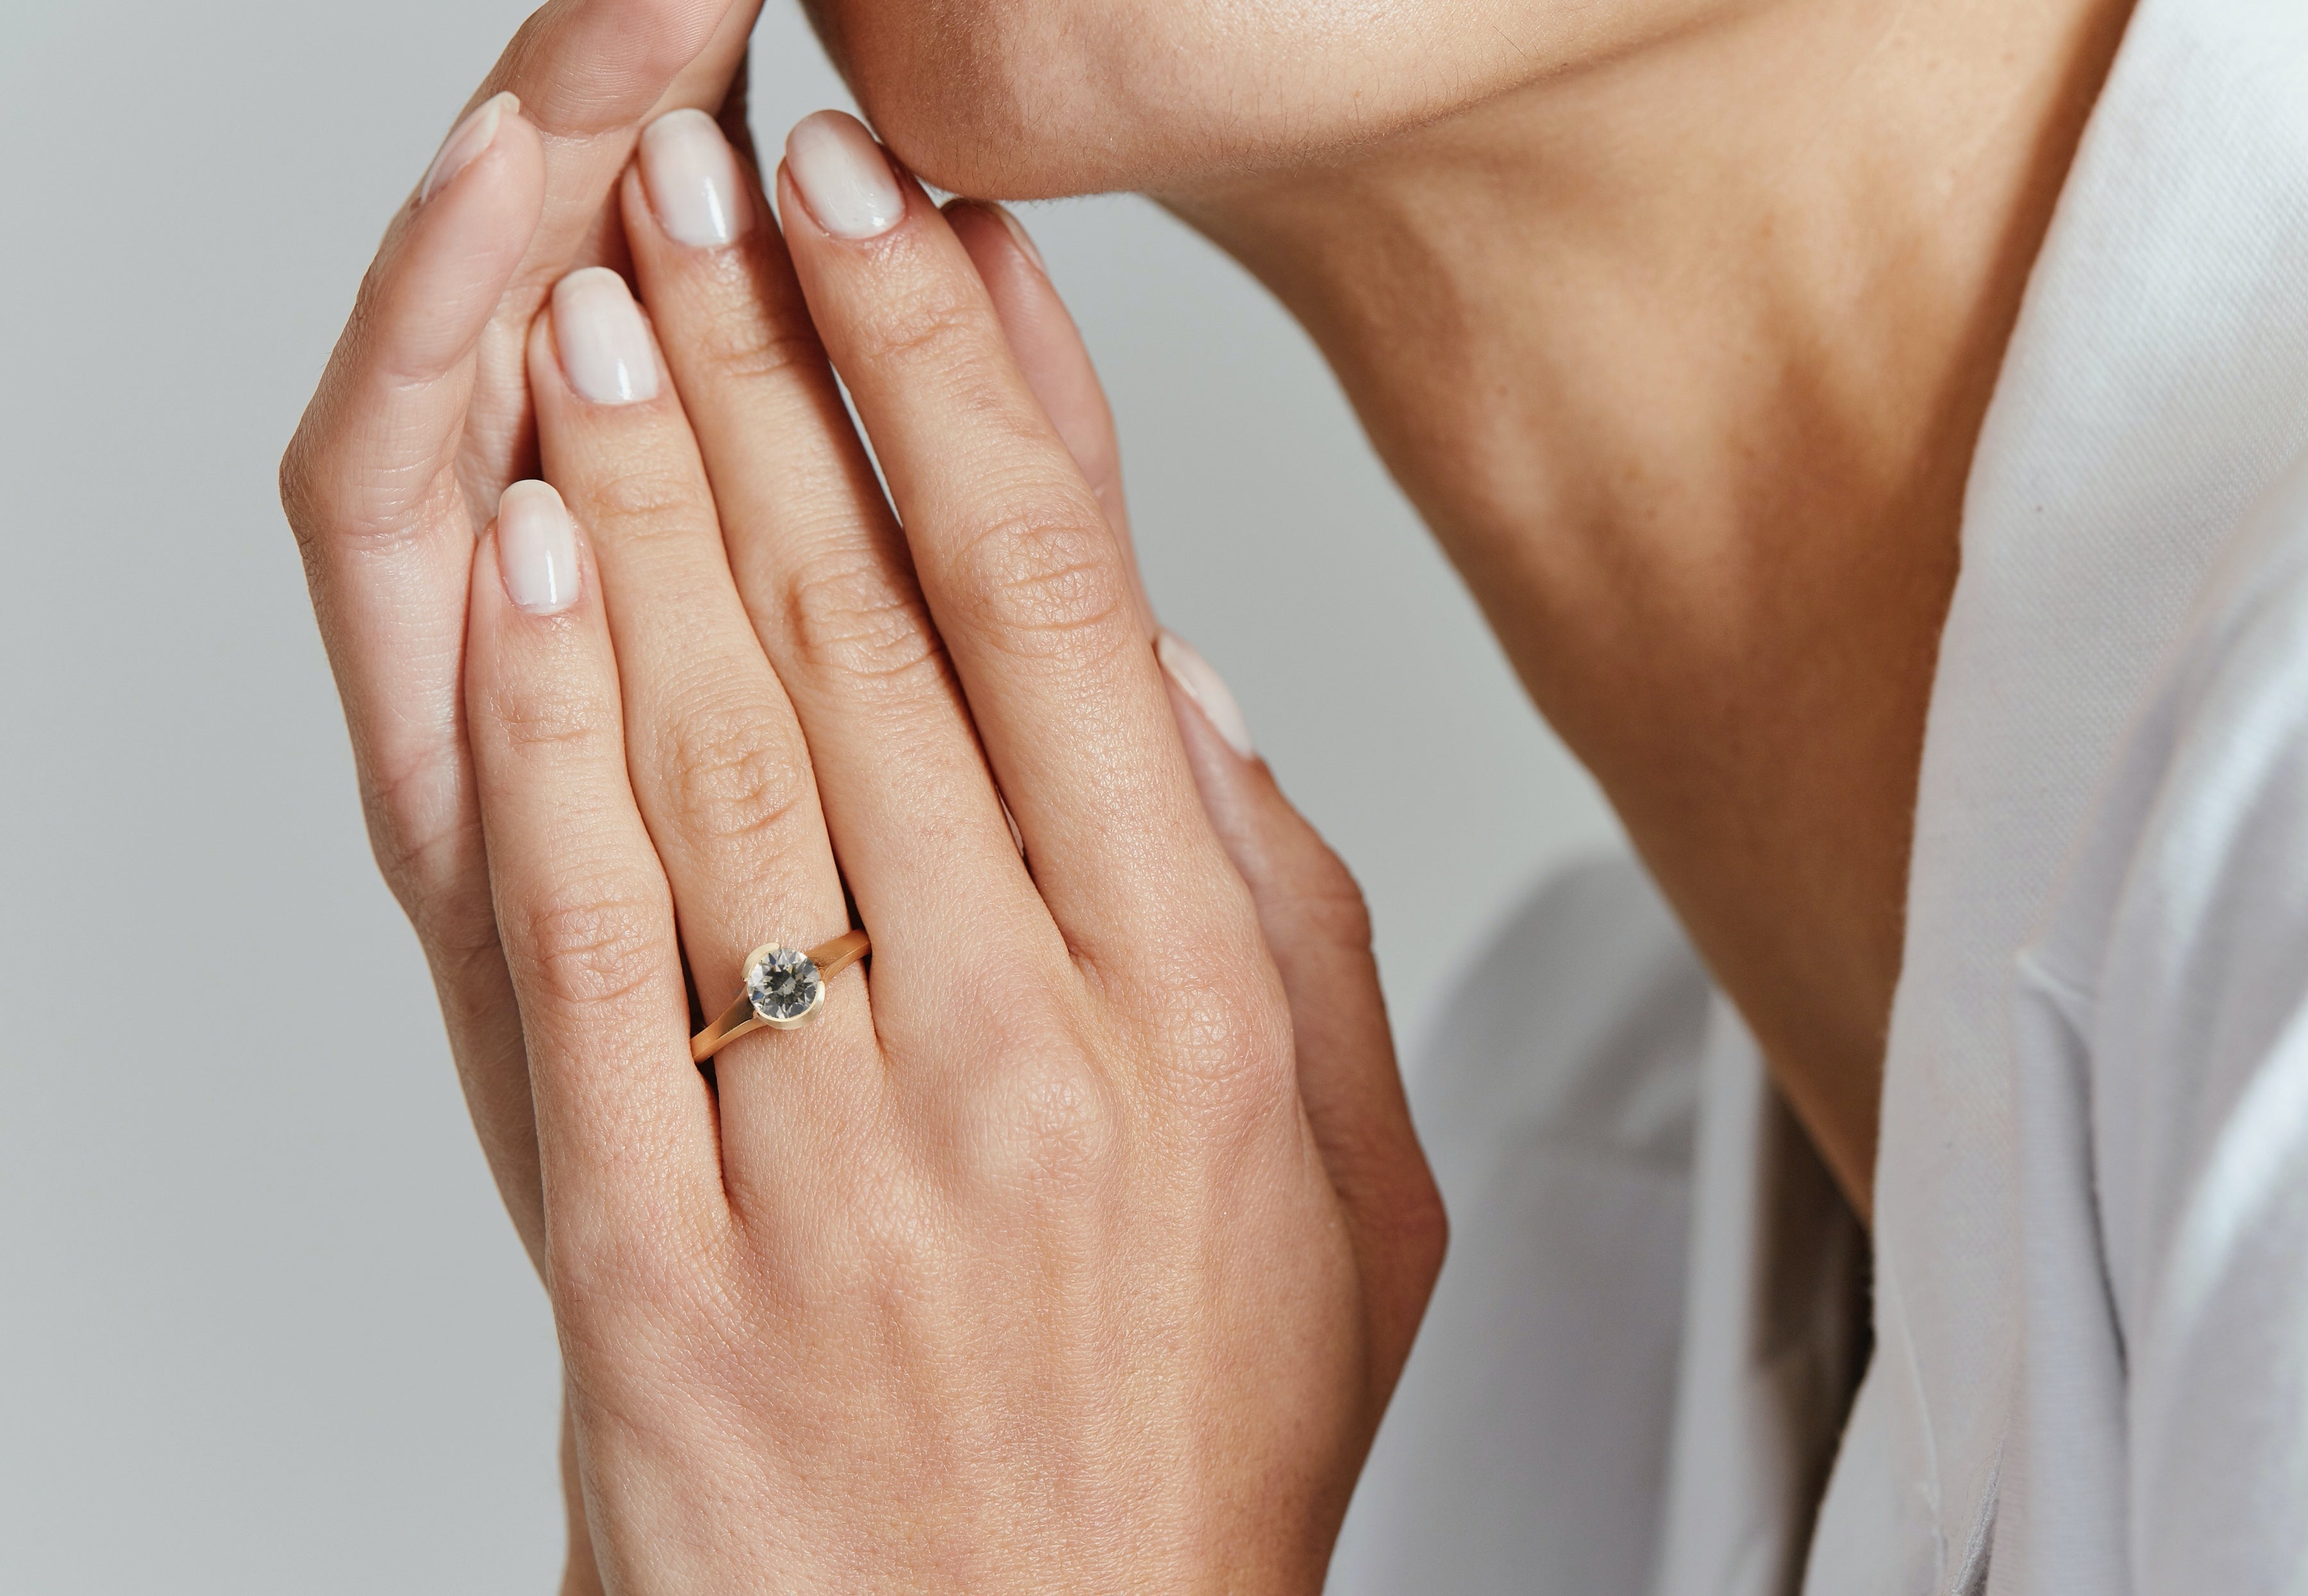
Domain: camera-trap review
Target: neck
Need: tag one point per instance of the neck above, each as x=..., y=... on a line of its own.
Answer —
x=1683, y=356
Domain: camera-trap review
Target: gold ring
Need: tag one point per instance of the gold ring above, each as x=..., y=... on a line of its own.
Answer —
x=783, y=988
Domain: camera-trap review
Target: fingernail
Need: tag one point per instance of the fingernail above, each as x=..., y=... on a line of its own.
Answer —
x=843, y=177
x=1207, y=687
x=1018, y=236
x=605, y=345
x=691, y=174
x=466, y=144
x=537, y=549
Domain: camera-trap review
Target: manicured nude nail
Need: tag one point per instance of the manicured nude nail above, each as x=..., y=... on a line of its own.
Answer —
x=843, y=177
x=466, y=145
x=691, y=174
x=1018, y=236
x=1207, y=687
x=537, y=549
x=605, y=345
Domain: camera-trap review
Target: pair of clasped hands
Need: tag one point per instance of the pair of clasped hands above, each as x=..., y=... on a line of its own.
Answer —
x=1078, y=1244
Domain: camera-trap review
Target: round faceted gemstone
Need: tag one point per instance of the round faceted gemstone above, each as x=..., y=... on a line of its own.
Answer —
x=782, y=984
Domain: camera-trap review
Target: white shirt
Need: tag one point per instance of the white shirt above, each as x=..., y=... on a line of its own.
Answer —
x=2090, y=1368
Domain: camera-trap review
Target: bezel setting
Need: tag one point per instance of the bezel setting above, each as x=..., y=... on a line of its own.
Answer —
x=784, y=985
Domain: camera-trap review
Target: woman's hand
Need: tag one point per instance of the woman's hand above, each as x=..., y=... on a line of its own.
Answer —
x=422, y=419
x=1080, y=1246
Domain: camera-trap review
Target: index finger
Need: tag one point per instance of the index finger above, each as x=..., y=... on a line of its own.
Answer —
x=1025, y=577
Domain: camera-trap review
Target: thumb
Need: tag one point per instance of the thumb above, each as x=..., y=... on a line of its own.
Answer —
x=1319, y=931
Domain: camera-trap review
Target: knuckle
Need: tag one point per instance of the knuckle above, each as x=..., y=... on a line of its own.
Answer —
x=848, y=618
x=1046, y=1122
x=589, y=945
x=423, y=833
x=658, y=1265
x=1399, y=1213
x=1039, y=584
x=1227, y=1046
x=736, y=778
x=458, y=931
x=760, y=347
x=354, y=478
x=545, y=722
x=1422, y=1227
x=1326, y=902
x=637, y=498
x=923, y=331
x=337, y=500
x=296, y=490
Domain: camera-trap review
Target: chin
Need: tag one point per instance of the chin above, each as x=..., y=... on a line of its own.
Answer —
x=1018, y=99
x=1029, y=99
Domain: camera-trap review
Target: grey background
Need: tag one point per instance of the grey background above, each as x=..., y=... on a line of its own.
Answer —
x=263, y=1326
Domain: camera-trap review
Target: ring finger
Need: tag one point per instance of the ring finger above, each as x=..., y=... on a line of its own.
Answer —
x=718, y=765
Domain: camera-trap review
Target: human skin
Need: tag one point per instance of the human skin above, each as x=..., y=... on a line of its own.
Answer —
x=1081, y=1247
x=1676, y=319
x=1709, y=301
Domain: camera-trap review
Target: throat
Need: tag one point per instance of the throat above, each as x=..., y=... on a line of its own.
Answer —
x=1683, y=359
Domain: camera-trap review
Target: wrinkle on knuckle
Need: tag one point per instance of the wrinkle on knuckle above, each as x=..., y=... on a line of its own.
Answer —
x=848, y=618
x=419, y=816
x=736, y=778
x=592, y=947
x=1225, y=1047
x=1046, y=1122
x=760, y=347
x=637, y=499
x=1042, y=584
x=926, y=333
x=390, y=505
x=419, y=863
x=542, y=722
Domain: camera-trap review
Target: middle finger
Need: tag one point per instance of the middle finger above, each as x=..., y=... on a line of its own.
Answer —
x=1026, y=580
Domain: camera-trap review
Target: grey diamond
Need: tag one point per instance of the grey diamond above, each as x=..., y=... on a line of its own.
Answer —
x=782, y=984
